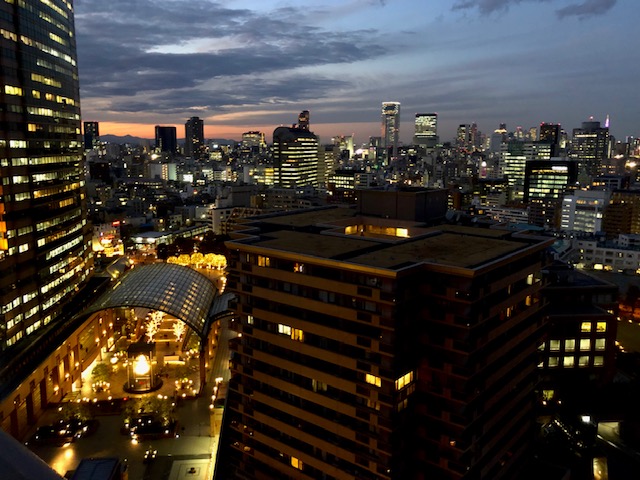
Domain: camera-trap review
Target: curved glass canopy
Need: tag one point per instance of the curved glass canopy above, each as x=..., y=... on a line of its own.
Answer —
x=173, y=289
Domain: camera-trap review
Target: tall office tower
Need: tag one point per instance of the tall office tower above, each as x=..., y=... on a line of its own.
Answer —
x=254, y=140
x=533, y=134
x=463, y=136
x=166, y=139
x=45, y=240
x=390, y=128
x=91, y=135
x=550, y=133
x=303, y=120
x=377, y=348
x=513, y=157
x=590, y=146
x=295, y=157
x=426, y=129
x=545, y=184
x=344, y=144
x=194, y=137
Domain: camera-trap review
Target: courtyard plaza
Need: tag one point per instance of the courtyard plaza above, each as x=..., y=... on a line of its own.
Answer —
x=188, y=454
x=153, y=389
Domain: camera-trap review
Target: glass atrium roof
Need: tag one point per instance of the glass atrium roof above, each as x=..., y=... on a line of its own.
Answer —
x=173, y=289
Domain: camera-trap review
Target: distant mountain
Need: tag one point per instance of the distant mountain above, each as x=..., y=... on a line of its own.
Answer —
x=149, y=141
x=126, y=139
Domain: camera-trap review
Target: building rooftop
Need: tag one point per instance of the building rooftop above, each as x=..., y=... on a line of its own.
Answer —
x=341, y=234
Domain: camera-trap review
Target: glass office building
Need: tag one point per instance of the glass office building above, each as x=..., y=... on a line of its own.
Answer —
x=44, y=236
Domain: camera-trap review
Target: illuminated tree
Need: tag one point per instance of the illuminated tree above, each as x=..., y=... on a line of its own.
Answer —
x=178, y=329
x=197, y=259
x=153, y=324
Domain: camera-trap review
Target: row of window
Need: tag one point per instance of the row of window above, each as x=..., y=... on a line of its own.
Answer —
x=584, y=344
x=570, y=361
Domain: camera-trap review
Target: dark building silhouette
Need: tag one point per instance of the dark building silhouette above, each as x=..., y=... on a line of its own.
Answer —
x=166, y=139
x=194, y=137
x=91, y=135
x=550, y=133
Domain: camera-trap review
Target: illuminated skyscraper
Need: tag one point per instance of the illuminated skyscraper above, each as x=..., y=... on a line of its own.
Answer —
x=390, y=127
x=253, y=140
x=193, y=137
x=426, y=132
x=91, y=135
x=295, y=155
x=44, y=236
x=590, y=146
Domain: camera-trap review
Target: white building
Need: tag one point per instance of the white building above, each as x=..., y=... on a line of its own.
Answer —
x=610, y=257
x=583, y=211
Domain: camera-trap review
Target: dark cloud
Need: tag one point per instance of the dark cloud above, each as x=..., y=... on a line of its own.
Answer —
x=587, y=8
x=582, y=9
x=486, y=7
x=134, y=48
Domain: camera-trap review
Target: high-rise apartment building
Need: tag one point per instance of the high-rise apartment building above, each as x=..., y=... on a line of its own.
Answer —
x=375, y=348
x=426, y=129
x=194, y=137
x=166, y=139
x=590, y=146
x=45, y=240
x=390, y=128
x=295, y=157
x=91, y=135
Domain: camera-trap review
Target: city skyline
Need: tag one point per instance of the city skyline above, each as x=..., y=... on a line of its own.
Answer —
x=254, y=66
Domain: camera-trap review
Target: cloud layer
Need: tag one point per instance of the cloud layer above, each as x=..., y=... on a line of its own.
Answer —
x=249, y=64
x=582, y=9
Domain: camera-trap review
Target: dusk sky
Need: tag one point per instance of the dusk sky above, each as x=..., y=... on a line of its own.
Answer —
x=253, y=65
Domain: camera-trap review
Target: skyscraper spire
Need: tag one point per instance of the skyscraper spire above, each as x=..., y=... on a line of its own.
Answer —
x=606, y=122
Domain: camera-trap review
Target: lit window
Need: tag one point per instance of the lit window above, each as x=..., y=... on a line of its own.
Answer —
x=568, y=362
x=570, y=345
x=585, y=344
x=318, y=386
x=541, y=346
x=554, y=345
x=284, y=329
x=404, y=380
x=583, y=361
x=295, y=463
x=585, y=327
x=601, y=326
x=298, y=267
x=530, y=279
x=373, y=380
x=297, y=334
x=600, y=343
x=553, y=361
x=598, y=360
x=264, y=261
x=249, y=319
